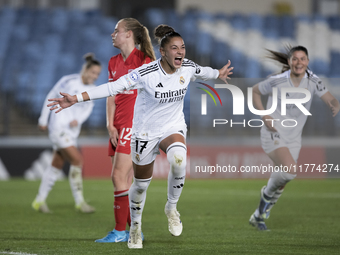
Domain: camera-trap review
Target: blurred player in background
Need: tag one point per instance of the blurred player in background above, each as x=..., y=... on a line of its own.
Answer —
x=158, y=122
x=119, y=114
x=283, y=144
x=63, y=131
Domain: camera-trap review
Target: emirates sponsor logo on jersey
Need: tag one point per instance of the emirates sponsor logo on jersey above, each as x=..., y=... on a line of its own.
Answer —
x=170, y=95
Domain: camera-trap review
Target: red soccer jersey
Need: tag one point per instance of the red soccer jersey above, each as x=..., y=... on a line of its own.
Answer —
x=125, y=101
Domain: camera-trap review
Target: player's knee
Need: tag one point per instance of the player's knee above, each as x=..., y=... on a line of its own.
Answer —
x=58, y=162
x=116, y=175
x=282, y=178
x=288, y=176
x=140, y=185
x=177, y=157
x=77, y=161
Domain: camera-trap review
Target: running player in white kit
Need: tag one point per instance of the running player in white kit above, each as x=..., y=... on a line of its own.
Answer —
x=158, y=122
x=63, y=131
x=282, y=144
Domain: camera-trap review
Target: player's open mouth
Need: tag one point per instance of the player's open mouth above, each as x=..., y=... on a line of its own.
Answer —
x=178, y=61
x=299, y=69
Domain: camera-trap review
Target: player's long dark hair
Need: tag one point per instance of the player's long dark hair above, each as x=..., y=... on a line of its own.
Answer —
x=164, y=33
x=283, y=57
x=140, y=36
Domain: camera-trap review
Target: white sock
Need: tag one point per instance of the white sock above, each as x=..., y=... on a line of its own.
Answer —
x=273, y=190
x=176, y=155
x=277, y=195
x=48, y=180
x=76, y=183
x=137, y=196
x=277, y=181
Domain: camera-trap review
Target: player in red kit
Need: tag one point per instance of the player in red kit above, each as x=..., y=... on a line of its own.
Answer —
x=119, y=112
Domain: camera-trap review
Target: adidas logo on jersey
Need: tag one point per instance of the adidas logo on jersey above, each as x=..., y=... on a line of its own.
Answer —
x=159, y=85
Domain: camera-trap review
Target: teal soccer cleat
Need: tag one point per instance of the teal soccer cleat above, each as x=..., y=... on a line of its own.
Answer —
x=115, y=237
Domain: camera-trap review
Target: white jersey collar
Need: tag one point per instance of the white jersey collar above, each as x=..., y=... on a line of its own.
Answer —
x=161, y=68
x=302, y=81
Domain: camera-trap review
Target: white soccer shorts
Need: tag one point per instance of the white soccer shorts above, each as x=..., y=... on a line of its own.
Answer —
x=144, y=151
x=271, y=141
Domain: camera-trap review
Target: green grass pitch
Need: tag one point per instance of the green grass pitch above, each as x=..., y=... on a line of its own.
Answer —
x=214, y=213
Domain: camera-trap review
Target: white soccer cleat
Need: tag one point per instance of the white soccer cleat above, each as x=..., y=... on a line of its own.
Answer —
x=40, y=207
x=174, y=222
x=135, y=237
x=85, y=208
x=258, y=222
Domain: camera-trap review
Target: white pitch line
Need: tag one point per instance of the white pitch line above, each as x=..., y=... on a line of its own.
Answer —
x=16, y=253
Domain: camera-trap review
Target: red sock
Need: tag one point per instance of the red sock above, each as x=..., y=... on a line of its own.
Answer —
x=121, y=209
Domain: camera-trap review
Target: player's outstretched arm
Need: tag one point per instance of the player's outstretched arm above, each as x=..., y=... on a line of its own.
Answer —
x=331, y=102
x=66, y=101
x=225, y=72
x=259, y=106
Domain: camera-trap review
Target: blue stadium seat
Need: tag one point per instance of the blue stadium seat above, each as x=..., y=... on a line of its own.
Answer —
x=204, y=43
x=23, y=95
x=239, y=22
x=77, y=18
x=287, y=26
x=7, y=21
x=334, y=22
x=221, y=16
x=320, y=67
x=335, y=66
x=252, y=68
x=108, y=25
x=271, y=27
x=237, y=58
x=255, y=22
x=154, y=17
x=173, y=19
x=220, y=54
x=189, y=28
x=37, y=103
x=59, y=20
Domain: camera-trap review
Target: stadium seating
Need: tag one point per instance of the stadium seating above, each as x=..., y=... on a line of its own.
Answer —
x=39, y=46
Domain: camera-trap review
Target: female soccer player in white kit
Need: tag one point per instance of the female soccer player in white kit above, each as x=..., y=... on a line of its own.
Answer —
x=158, y=122
x=283, y=144
x=63, y=131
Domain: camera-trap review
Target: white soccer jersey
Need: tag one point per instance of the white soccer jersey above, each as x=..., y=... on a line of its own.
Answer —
x=311, y=83
x=159, y=104
x=71, y=84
